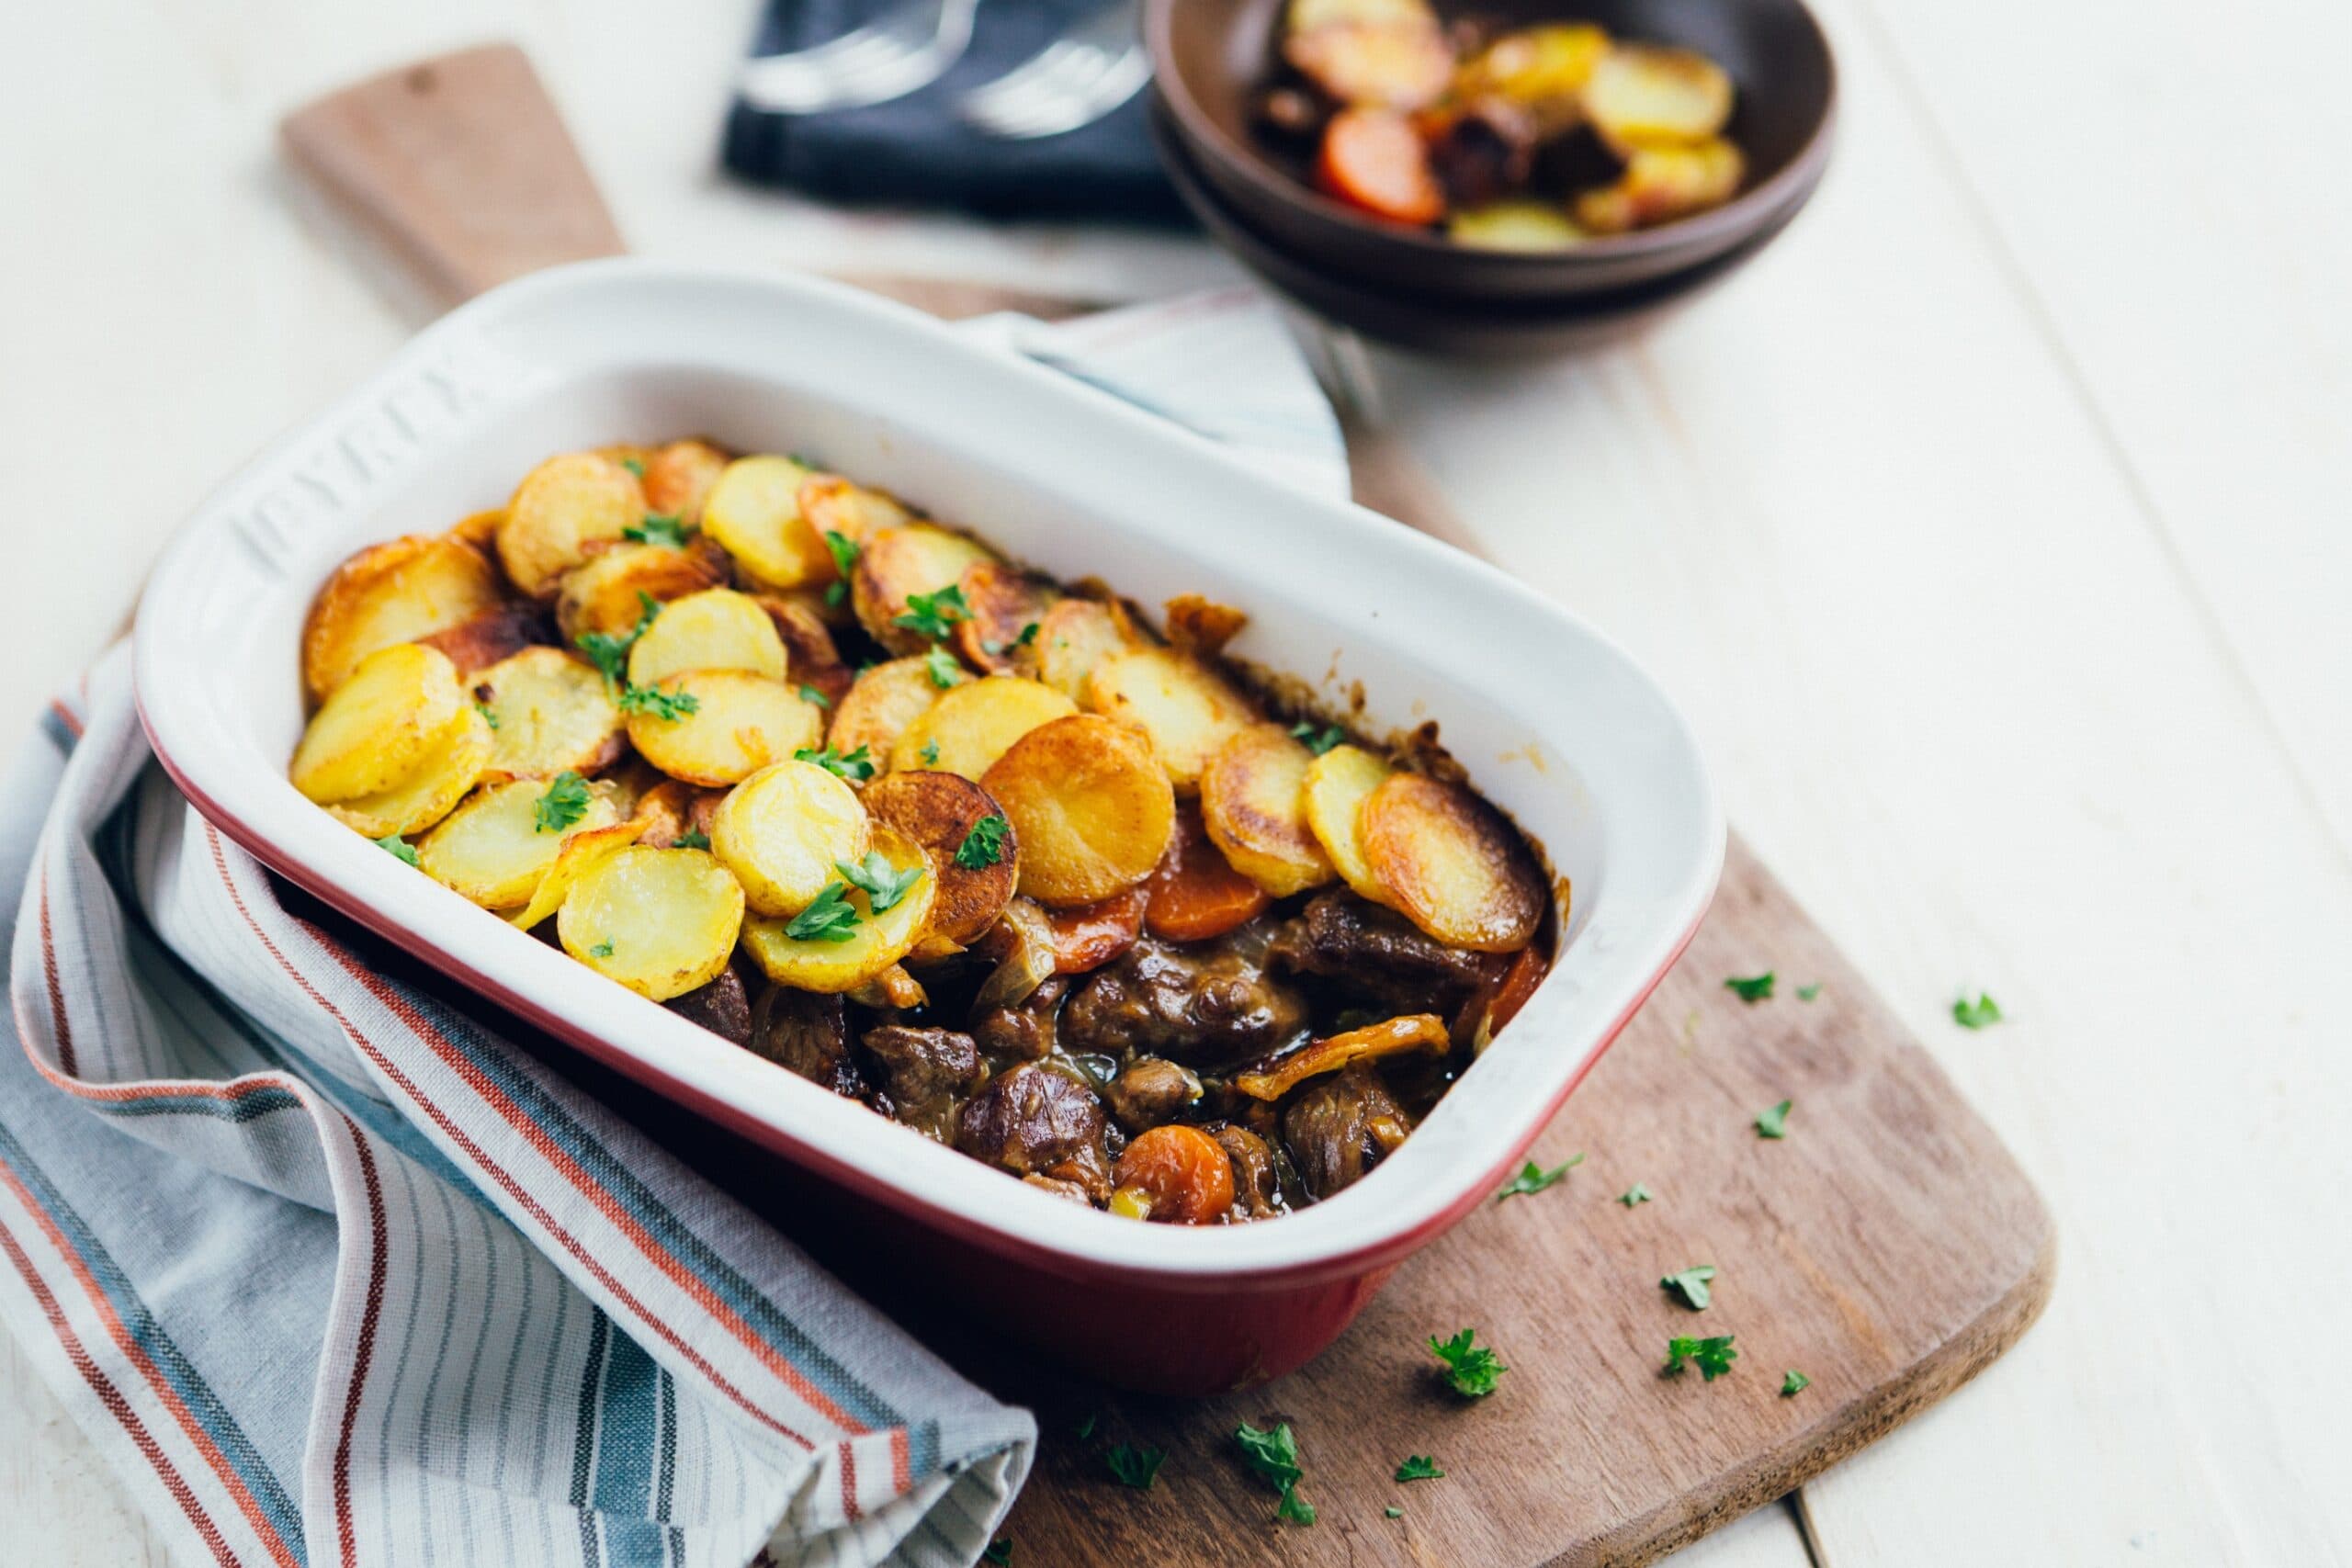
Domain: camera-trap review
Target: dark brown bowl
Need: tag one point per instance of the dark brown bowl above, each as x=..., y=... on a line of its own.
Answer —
x=1212, y=57
x=1498, y=329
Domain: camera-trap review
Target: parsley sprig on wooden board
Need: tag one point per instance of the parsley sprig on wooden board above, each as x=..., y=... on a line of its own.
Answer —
x=1712, y=1356
x=1533, y=1178
x=1754, y=988
x=1794, y=1383
x=565, y=802
x=983, y=845
x=1274, y=1455
x=1690, y=1284
x=1472, y=1370
x=1420, y=1467
x=1134, y=1466
x=1774, y=1122
x=1981, y=1014
x=1636, y=1193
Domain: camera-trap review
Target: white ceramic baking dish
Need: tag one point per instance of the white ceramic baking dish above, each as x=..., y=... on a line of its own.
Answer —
x=1556, y=724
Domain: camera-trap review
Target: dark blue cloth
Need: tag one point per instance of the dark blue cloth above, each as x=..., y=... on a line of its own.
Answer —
x=914, y=151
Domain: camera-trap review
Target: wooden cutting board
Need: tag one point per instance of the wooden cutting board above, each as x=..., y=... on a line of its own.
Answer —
x=1888, y=1248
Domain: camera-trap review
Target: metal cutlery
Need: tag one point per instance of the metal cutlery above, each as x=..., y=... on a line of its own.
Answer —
x=1091, y=69
x=902, y=51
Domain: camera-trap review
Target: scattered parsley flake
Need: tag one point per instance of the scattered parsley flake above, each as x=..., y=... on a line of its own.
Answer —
x=1712, y=1356
x=999, y=1550
x=984, y=845
x=1274, y=1455
x=934, y=615
x=1806, y=993
x=856, y=768
x=811, y=695
x=602, y=950
x=1690, y=1284
x=489, y=714
x=658, y=529
x=400, y=849
x=609, y=653
x=883, y=885
x=1134, y=1466
x=929, y=753
x=1794, y=1383
x=1981, y=1014
x=634, y=467
x=1420, y=1467
x=941, y=667
x=835, y=592
x=1294, y=1508
x=845, y=551
x=1394, y=1512
x=832, y=918
x=1317, y=740
x=692, y=838
x=1636, y=1193
x=1028, y=635
x=667, y=706
x=1086, y=1427
x=1755, y=988
x=1533, y=1178
x=565, y=802
x=1774, y=1123
x=1471, y=1369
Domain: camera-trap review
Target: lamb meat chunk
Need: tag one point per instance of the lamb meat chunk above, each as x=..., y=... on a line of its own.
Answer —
x=1024, y=1030
x=723, y=1007
x=1257, y=1186
x=1034, y=1120
x=1204, y=1003
x=924, y=1064
x=1379, y=957
x=809, y=1034
x=1340, y=1126
x=1152, y=1091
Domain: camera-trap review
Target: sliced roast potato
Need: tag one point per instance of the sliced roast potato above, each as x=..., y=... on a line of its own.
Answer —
x=754, y=511
x=1077, y=635
x=679, y=478
x=1451, y=864
x=608, y=592
x=970, y=726
x=583, y=850
x=660, y=921
x=562, y=510
x=1253, y=800
x=494, y=849
x=881, y=704
x=428, y=794
x=1007, y=609
x=868, y=948
x=783, y=831
x=1648, y=95
x=1092, y=807
x=715, y=629
x=379, y=725
x=1338, y=782
x=940, y=811
x=400, y=591
x=739, y=723
x=551, y=713
x=475, y=644
x=895, y=564
x=1187, y=708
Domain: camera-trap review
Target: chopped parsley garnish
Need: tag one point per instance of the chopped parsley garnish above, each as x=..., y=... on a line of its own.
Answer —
x=1028, y=635
x=1636, y=1193
x=1806, y=993
x=566, y=802
x=845, y=553
x=1533, y=1178
x=929, y=753
x=884, y=887
x=1274, y=1455
x=832, y=918
x=1794, y=1383
x=983, y=846
x=667, y=706
x=1690, y=1284
x=998, y=1550
x=857, y=767
x=1755, y=988
x=1134, y=1466
x=1394, y=1512
x=1085, y=1429
x=1712, y=1356
x=1981, y=1014
x=1472, y=1370
x=1317, y=740
x=400, y=849
x=1420, y=1467
x=941, y=667
x=602, y=950
x=609, y=653
x=658, y=529
x=692, y=838
x=634, y=467
x=1774, y=1123
x=934, y=615
x=811, y=694
x=489, y=714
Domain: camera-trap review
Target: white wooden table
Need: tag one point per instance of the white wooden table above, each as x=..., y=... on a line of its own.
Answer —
x=1996, y=528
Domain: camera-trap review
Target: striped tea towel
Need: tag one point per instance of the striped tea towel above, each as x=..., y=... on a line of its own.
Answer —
x=335, y=1274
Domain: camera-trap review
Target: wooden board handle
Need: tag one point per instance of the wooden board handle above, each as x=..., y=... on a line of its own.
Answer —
x=461, y=164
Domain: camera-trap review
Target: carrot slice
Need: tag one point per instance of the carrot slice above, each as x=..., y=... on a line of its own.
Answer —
x=1091, y=935
x=1374, y=159
x=1196, y=894
x=1176, y=1175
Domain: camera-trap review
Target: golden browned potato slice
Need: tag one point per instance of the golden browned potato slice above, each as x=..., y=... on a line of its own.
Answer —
x=882, y=702
x=739, y=724
x=670, y=810
x=1007, y=609
x=380, y=725
x=551, y=712
x=660, y=921
x=1514, y=226
x=809, y=651
x=1253, y=799
x=754, y=511
x=679, y=479
x=1662, y=184
x=1201, y=627
x=1391, y=65
x=1416, y=1032
x=1453, y=864
x=782, y=830
x=494, y=849
x=858, y=949
x=1076, y=636
x=480, y=529
x=583, y=850
x=835, y=505
x=1544, y=70
x=603, y=594
x=1337, y=785
x=1092, y=805
x=978, y=871
x=1186, y=707
x=970, y=728
x=490, y=638
x=562, y=507
x=715, y=629
x=430, y=792
x=1305, y=15
x=1645, y=95
x=895, y=564
x=399, y=592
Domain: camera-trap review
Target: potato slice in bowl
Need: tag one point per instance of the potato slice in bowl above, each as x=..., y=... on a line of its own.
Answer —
x=841, y=941
x=679, y=479
x=1452, y=864
x=719, y=726
x=430, y=792
x=494, y=849
x=1187, y=708
x=388, y=594
x=1644, y=94
x=977, y=866
x=1338, y=782
x=754, y=511
x=660, y=921
x=379, y=726
x=1253, y=799
x=1092, y=807
x=971, y=726
x=911, y=563
x=782, y=830
x=883, y=701
x=562, y=507
x=583, y=850
x=836, y=505
x=715, y=629
x=607, y=593
x=1075, y=636
x=551, y=713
